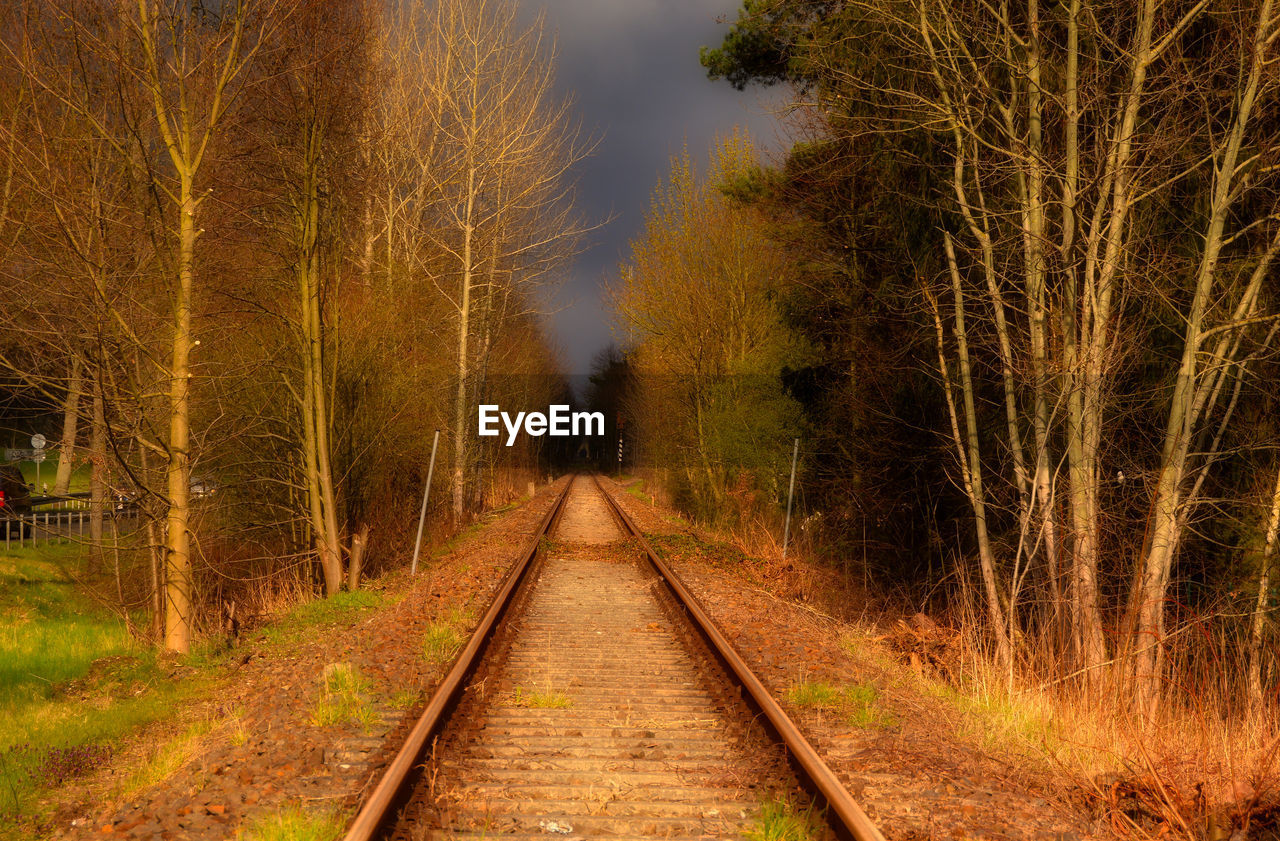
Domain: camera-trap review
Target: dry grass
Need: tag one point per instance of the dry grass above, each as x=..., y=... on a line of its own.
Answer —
x=1204, y=767
x=165, y=759
x=549, y=699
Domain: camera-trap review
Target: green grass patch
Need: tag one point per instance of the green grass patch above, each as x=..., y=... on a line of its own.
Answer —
x=440, y=642
x=345, y=698
x=858, y=704
x=49, y=633
x=779, y=820
x=72, y=682
x=295, y=823
x=403, y=699
x=74, y=685
x=461, y=617
x=308, y=616
x=443, y=638
x=165, y=759
x=548, y=700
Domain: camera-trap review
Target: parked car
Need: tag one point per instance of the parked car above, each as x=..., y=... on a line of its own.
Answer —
x=15, y=500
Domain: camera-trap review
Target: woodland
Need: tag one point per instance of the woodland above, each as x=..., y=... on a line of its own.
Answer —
x=255, y=255
x=1012, y=287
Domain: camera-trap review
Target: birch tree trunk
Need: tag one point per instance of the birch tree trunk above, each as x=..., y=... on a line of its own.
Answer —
x=169, y=79
x=97, y=473
x=462, y=396
x=178, y=573
x=1148, y=599
x=70, y=420
x=1258, y=622
x=315, y=421
x=973, y=473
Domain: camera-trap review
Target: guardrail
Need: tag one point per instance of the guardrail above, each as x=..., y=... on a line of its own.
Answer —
x=63, y=526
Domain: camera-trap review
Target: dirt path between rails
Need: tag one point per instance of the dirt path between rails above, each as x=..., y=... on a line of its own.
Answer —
x=263, y=751
x=909, y=766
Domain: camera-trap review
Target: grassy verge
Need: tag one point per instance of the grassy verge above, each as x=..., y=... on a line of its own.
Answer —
x=49, y=470
x=636, y=489
x=72, y=682
x=307, y=617
x=74, y=685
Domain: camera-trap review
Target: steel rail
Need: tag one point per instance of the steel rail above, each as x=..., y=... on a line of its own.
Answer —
x=391, y=789
x=849, y=819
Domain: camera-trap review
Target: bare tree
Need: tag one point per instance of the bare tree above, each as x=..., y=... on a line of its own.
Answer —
x=491, y=150
x=1057, y=151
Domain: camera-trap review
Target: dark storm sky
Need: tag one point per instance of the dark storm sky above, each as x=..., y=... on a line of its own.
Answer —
x=632, y=69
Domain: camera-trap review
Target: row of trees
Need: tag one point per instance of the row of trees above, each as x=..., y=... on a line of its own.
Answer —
x=699, y=306
x=1028, y=248
x=271, y=245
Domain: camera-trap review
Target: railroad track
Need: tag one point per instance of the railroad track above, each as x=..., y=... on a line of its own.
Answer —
x=597, y=699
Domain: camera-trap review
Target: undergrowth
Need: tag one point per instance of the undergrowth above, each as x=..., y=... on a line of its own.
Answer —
x=1198, y=768
x=72, y=682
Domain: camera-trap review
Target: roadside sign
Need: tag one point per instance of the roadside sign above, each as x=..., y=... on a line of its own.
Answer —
x=38, y=442
x=19, y=454
x=38, y=456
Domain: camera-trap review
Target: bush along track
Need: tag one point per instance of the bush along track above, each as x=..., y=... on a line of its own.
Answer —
x=298, y=718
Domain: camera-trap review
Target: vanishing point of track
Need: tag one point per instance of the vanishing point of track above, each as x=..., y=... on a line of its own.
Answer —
x=596, y=698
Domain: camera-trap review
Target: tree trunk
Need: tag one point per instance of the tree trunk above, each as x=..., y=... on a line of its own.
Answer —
x=97, y=475
x=315, y=438
x=464, y=316
x=1147, y=601
x=359, y=542
x=178, y=577
x=973, y=474
x=70, y=420
x=1258, y=622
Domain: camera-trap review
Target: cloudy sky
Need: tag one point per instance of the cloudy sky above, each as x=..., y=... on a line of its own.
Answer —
x=632, y=69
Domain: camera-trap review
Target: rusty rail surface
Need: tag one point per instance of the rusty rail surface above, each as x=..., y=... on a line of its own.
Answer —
x=381, y=806
x=842, y=813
